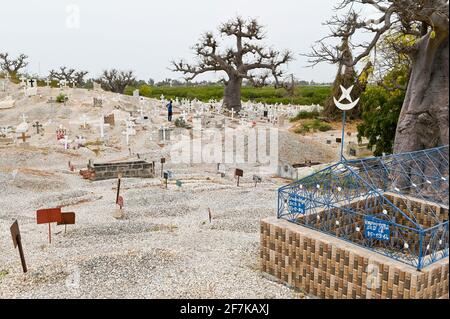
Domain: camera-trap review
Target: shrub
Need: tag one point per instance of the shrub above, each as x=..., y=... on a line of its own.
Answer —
x=180, y=122
x=61, y=98
x=303, y=115
x=313, y=125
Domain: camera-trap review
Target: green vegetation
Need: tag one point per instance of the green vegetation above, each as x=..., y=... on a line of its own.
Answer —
x=303, y=115
x=381, y=110
x=61, y=98
x=180, y=122
x=304, y=95
x=313, y=125
x=3, y=273
x=381, y=106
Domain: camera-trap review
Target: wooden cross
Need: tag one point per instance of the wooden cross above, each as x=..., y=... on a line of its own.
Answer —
x=38, y=126
x=24, y=137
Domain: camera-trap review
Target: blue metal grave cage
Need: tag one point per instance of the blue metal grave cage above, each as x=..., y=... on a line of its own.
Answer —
x=395, y=205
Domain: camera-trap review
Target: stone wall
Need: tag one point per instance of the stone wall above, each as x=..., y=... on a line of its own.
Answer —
x=328, y=267
x=136, y=169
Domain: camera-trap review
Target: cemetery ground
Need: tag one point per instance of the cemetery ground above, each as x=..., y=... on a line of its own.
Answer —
x=200, y=240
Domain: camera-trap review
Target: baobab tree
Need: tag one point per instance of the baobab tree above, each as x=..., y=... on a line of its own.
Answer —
x=13, y=66
x=248, y=60
x=423, y=121
x=69, y=75
x=347, y=75
x=116, y=81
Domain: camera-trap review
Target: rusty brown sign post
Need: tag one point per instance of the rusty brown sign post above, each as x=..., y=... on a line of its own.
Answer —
x=119, y=178
x=48, y=216
x=239, y=173
x=67, y=219
x=17, y=241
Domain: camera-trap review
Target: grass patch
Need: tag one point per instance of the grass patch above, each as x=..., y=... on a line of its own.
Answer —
x=3, y=273
x=303, y=115
x=61, y=98
x=313, y=126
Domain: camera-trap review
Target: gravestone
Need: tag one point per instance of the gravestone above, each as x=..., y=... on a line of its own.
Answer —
x=109, y=119
x=164, y=134
x=98, y=102
x=31, y=87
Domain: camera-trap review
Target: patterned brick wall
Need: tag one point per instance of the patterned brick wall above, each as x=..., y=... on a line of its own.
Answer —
x=328, y=267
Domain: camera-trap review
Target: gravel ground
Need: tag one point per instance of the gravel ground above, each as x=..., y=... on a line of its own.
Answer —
x=164, y=247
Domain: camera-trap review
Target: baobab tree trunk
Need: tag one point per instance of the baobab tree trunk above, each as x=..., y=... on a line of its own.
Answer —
x=232, y=95
x=423, y=121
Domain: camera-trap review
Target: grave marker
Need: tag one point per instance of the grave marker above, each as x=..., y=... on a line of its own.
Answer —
x=119, y=178
x=98, y=102
x=67, y=219
x=238, y=173
x=48, y=216
x=24, y=137
x=38, y=126
x=17, y=241
x=257, y=179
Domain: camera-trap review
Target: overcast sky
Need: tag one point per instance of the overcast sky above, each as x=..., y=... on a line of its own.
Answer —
x=145, y=36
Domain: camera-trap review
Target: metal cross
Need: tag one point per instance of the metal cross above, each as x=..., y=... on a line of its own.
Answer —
x=38, y=126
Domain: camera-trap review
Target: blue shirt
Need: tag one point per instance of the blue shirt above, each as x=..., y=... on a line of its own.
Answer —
x=169, y=107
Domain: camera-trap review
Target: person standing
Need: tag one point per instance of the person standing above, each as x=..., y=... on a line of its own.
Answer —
x=169, y=111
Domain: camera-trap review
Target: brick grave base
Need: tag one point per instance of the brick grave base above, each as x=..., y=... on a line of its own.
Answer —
x=328, y=267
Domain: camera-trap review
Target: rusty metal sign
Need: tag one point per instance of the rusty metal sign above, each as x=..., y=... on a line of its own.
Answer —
x=239, y=173
x=67, y=219
x=48, y=216
x=15, y=233
x=17, y=241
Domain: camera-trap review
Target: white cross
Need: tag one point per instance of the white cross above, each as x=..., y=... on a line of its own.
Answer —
x=62, y=83
x=141, y=111
x=164, y=133
x=84, y=120
x=24, y=118
x=73, y=83
x=8, y=77
x=184, y=115
x=66, y=141
x=102, y=126
x=47, y=82
x=232, y=113
x=129, y=131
